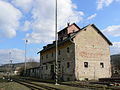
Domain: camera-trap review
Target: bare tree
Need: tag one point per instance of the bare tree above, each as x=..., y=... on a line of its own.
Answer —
x=32, y=63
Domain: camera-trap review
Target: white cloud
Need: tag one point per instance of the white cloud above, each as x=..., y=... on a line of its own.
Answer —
x=43, y=13
x=26, y=26
x=104, y=3
x=25, y=5
x=92, y=16
x=115, y=49
x=9, y=19
x=113, y=30
x=15, y=54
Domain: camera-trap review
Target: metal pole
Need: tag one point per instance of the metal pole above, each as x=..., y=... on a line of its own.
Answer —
x=11, y=66
x=25, y=55
x=9, y=62
x=56, y=37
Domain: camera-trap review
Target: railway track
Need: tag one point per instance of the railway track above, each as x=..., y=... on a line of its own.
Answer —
x=34, y=86
x=28, y=85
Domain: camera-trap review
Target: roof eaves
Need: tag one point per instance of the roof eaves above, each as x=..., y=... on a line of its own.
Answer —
x=76, y=25
x=79, y=31
x=102, y=34
x=53, y=45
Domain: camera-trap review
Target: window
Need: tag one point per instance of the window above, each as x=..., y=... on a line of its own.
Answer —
x=59, y=65
x=68, y=35
x=64, y=31
x=73, y=31
x=68, y=50
x=46, y=67
x=86, y=79
x=59, y=52
x=52, y=54
x=102, y=65
x=61, y=38
x=41, y=57
x=68, y=64
x=86, y=64
x=68, y=79
x=47, y=56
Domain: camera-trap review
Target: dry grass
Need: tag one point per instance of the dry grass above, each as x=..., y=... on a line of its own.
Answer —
x=8, y=85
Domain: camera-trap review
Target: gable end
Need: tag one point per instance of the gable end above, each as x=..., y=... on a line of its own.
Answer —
x=101, y=34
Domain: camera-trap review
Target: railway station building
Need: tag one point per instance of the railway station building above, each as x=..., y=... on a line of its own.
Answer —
x=83, y=54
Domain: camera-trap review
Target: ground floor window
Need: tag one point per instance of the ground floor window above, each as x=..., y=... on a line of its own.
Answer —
x=86, y=64
x=59, y=65
x=68, y=64
x=46, y=67
x=68, y=79
x=102, y=65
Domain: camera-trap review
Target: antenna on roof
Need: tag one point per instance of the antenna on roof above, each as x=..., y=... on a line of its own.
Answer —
x=68, y=24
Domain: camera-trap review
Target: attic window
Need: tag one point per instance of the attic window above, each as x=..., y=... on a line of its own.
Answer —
x=85, y=29
x=73, y=31
x=98, y=31
x=63, y=31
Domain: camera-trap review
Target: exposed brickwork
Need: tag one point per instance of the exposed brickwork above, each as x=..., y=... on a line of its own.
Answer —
x=63, y=59
x=91, y=47
x=65, y=32
x=87, y=46
x=72, y=29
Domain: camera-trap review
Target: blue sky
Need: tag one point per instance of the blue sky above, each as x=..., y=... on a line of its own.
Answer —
x=34, y=20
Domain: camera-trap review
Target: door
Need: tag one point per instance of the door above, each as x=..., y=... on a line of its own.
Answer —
x=52, y=72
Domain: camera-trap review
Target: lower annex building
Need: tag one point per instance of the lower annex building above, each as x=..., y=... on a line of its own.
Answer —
x=83, y=53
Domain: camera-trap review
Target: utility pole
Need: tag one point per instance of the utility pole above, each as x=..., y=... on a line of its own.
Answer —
x=25, y=55
x=10, y=67
x=56, y=39
x=10, y=62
